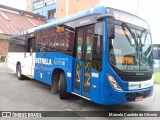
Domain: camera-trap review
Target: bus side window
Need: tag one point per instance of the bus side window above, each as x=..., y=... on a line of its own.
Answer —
x=42, y=40
x=97, y=46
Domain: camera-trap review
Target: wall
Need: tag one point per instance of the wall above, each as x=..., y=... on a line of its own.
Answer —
x=3, y=49
x=61, y=8
x=68, y=7
x=29, y=5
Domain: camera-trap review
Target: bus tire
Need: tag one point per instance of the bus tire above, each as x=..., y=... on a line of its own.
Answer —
x=63, y=87
x=54, y=88
x=19, y=72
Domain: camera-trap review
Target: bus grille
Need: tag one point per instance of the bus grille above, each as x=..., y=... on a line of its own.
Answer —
x=135, y=78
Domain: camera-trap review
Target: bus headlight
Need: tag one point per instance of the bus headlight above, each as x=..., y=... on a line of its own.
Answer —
x=113, y=82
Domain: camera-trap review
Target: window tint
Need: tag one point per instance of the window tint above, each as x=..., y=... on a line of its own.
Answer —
x=55, y=39
x=17, y=46
x=42, y=39
x=61, y=40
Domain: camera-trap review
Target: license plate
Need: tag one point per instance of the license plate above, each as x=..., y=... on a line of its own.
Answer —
x=139, y=98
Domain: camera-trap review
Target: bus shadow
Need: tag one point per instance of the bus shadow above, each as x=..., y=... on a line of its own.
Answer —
x=78, y=101
x=91, y=106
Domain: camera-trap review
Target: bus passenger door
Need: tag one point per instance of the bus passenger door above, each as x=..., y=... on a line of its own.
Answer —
x=29, y=57
x=84, y=38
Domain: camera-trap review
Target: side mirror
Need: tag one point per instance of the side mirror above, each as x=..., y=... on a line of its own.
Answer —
x=111, y=28
x=110, y=24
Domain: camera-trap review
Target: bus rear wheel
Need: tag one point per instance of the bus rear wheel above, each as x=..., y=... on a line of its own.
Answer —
x=19, y=72
x=63, y=87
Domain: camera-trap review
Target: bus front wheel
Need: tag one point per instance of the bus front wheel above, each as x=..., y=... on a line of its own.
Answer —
x=63, y=87
x=19, y=72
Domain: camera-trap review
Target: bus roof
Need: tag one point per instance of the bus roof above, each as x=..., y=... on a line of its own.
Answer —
x=94, y=10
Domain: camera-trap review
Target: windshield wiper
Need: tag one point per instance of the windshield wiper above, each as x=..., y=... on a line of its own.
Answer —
x=132, y=34
x=144, y=31
x=129, y=40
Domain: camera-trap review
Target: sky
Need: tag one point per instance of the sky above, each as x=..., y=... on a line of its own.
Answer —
x=20, y=4
x=146, y=9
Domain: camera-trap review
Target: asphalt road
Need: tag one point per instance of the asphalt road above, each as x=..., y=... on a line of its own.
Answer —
x=30, y=95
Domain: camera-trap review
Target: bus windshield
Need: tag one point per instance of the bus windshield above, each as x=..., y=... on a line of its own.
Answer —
x=130, y=50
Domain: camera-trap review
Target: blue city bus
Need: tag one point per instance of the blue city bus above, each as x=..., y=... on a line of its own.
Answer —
x=102, y=54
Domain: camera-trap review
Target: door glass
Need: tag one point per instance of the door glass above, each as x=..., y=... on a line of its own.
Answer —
x=79, y=56
x=80, y=39
x=78, y=76
x=88, y=57
x=85, y=36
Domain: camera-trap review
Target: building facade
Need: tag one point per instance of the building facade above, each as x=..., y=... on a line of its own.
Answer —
x=69, y=7
x=56, y=9
x=29, y=5
x=3, y=47
x=14, y=21
x=45, y=8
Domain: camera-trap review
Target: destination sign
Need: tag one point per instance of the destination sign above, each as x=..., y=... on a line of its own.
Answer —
x=124, y=32
x=129, y=60
x=127, y=17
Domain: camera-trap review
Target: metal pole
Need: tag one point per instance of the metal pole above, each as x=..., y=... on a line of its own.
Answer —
x=67, y=7
x=137, y=7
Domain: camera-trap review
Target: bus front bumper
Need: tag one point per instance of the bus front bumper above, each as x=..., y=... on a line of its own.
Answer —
x=109, y=95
